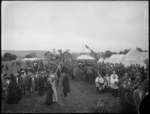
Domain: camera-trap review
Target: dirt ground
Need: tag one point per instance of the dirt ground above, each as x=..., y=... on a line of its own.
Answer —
x=81, y=98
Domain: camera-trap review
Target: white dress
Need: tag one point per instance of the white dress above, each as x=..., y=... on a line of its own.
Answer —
x=113, y=79
x=55, y=97
x=99, y=81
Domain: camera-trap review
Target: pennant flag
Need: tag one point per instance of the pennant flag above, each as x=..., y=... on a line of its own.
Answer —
x=93, y=53
x=87, y=46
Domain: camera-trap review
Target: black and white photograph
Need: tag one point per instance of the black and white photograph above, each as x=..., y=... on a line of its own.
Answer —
x=74, y=56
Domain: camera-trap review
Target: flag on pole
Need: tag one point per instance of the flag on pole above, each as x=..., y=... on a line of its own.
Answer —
x=93, y=53
x=87, y=46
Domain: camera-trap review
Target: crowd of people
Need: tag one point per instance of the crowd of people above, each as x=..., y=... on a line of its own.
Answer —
x=34, y=78
x=128, y=84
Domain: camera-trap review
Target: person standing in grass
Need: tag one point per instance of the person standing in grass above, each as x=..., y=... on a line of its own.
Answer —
x=113, y=84
x=49, y=97
x=65, y=84
x=12, y=97
x=53, y=82
x=99, y=81
x=7, y=67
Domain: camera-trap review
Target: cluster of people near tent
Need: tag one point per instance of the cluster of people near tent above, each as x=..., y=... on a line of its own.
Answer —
x=127, y=84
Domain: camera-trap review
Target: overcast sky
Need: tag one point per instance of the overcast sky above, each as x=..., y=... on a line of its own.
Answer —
x=110, y=25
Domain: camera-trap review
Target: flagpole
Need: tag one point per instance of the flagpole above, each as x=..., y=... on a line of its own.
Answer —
x=83, y=47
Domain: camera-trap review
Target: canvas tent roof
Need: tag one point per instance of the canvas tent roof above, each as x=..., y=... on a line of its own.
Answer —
x=132, y=57
x=85, y=57
x=133, y=54
x=106, y=60
x=117, y=56
x=30, y=59
x=100, y=60
x=130, y=62
x=143, y=56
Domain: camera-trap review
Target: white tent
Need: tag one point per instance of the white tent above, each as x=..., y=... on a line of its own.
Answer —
x=100, y=60
x=106, y=60
x=132, y=57
x=125, y=62
x=115, y=58
x=130, y=62
x=85, y=57
x=133, y=54
x=144, y=56
x=30, y=59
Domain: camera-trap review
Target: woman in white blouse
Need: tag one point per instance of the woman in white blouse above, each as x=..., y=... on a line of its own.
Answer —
x=113, y=84
x=53, y=79
x=99, y=81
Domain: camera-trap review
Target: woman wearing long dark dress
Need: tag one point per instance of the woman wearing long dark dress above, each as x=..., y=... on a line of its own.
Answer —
x=49, y=97
x=12, y=97
x=65, y=84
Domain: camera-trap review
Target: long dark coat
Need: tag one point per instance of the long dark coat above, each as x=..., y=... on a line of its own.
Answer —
x=65, y=84
x=19, y=91
x=12, y=93
x=29, y=83
x=49, y=97
x=41, y=85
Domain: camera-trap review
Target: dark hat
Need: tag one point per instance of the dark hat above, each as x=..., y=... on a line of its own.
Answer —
x=12, y=77
x=6, y=77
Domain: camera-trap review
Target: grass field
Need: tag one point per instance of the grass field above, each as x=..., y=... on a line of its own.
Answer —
x=81, y=99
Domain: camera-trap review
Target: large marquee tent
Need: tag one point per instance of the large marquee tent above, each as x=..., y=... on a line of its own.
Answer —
x=30, y=59
x=85, y=57
x=115, y=58
x=144, y=56
x=132, y=57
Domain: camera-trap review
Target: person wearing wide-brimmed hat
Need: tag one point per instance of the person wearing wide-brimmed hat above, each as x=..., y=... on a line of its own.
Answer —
x=12, y=91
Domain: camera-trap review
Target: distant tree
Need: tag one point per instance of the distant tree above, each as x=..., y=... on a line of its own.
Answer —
x=28, y=56
x=145, y=51
x=126, y=51
x=121, y=52
x=33, y=55
x=114, y=52
x=139, y=49
x=108, y=53
x=9, y=57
